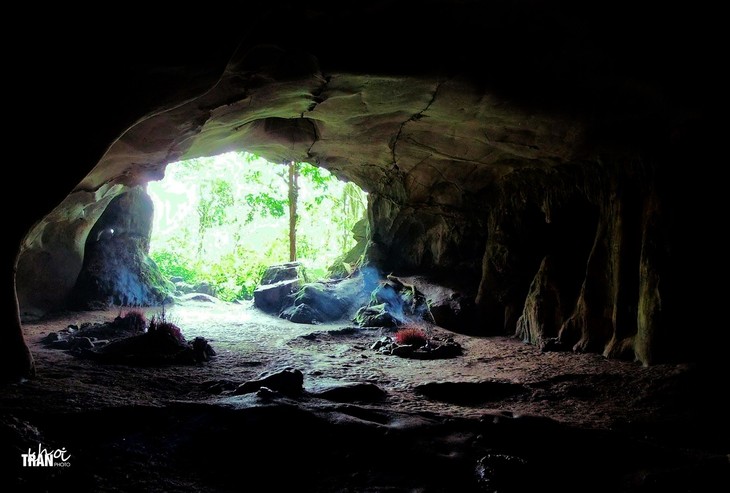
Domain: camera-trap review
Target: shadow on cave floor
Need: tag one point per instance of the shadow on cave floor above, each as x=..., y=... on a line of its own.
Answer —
x=476, y=422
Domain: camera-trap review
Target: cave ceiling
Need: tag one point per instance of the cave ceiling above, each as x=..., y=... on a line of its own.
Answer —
x=426, y=104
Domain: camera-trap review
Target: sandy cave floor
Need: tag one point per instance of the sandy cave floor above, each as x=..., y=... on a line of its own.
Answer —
x=671, y=406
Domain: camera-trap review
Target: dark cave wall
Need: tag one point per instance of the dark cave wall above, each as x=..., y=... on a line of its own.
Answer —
x=574, y=257
x=567, y=264
x=52, y=252
x=412, y=237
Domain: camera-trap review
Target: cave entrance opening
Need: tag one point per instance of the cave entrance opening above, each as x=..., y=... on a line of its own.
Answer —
x=220, y=221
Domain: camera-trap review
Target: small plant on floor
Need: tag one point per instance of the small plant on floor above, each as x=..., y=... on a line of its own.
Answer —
x=133, y=320
x=161, y=326
x=411, y=335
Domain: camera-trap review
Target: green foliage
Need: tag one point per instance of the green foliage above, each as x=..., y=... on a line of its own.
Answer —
x=216, y=197
x=320, y=178
x=172, y=264
x=263, y=204
x=234, y=276
x=224, y=219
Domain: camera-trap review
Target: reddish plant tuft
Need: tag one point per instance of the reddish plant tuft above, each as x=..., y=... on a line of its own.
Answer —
x=412, y=336
x=164, y=328
x=171, y=329
x=133, y=320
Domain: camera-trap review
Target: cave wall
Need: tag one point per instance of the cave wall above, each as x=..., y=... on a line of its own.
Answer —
x=117, y=269
x=566, y=264
x=572, y=257
x=52, y=252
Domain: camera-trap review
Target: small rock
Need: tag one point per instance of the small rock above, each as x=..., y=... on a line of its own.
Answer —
x=288, y=381
x=403, y=350
x=266, y=394
x=81, y=343
x=52, y=337
x=353, y=392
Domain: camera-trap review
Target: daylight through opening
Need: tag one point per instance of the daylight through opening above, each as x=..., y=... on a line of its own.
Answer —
x=220, y=221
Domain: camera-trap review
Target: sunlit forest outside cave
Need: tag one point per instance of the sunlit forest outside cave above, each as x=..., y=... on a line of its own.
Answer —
x=220, y=221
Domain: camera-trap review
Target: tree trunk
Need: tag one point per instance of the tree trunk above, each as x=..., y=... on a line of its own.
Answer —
x=293, y=197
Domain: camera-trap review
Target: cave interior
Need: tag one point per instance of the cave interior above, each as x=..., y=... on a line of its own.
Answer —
x=542, y=171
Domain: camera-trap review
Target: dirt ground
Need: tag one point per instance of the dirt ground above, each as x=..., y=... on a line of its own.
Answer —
x=126, y=425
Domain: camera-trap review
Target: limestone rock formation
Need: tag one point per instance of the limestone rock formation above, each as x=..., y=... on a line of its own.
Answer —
x=277, y=285
x=117, y=269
